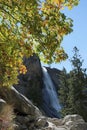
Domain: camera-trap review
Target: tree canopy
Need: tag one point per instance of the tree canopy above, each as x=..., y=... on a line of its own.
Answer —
x=31, y=26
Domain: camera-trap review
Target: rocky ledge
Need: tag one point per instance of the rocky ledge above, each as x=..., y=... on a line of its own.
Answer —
x=29, y=117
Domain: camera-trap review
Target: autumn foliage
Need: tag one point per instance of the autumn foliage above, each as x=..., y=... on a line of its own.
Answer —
x=31, y=26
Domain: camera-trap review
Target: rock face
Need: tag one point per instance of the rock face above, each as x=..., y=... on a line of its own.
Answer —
x=30, y=84
x=55, y=76
x=20, y=103
x=22, y=107
x=75, y=122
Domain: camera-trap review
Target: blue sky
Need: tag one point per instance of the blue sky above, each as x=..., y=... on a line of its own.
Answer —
x=78, y=37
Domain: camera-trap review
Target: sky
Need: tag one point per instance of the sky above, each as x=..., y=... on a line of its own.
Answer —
x=77, y=38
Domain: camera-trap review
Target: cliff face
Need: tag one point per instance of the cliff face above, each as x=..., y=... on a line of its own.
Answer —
x=30, y=84
x=55, y=75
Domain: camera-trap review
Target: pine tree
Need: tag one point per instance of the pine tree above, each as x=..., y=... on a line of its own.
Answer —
x=73, y=103
x=64, y=91
x=77, y=84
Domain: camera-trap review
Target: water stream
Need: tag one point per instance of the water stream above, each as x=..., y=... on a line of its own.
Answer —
x=50, y=97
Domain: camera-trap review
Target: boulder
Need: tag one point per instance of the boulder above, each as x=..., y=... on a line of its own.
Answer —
x=41, y=122
x=72, y=118
x=74, y=122
x=78, y=126
x=45, y=123
x=20, y=102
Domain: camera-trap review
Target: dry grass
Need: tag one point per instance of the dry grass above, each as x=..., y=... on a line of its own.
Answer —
x=6, y=118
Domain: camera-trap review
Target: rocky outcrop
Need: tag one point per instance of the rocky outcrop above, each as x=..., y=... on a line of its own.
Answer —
x=70, y=122
x=22, y=107
x=20, y=103
x=29, y=117
x=30, y=84
x=75, y=122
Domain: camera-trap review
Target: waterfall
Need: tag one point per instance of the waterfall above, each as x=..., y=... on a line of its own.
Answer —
x=50, y=98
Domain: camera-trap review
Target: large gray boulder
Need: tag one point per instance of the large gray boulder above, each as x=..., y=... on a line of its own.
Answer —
x=20, y=103
x=74, y=122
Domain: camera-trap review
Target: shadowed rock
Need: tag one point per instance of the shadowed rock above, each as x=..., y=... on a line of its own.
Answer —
x=20, y=102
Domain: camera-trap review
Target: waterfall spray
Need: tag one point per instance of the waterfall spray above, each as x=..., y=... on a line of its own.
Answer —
x=50, y=95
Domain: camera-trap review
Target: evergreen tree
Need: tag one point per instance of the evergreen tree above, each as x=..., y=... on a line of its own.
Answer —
x=64, y=91
x=76, y=82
